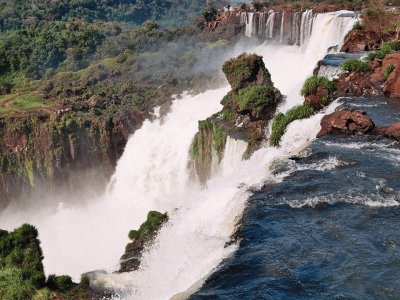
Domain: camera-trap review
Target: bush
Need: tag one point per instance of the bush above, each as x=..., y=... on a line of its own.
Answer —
x=389, y=69
x=281, y=121
x=256, y=98
x=356, y=65
x=59, y=283
x=149, y=228
x=311, y=85
x=386, y=48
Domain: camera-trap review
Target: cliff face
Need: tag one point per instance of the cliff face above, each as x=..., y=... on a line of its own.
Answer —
x=47, y=153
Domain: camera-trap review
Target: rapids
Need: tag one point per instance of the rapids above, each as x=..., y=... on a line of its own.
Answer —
x=152, y=174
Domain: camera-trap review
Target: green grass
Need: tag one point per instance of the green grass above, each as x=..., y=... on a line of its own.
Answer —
x=255, y=98
x=356, y=65
x=29, y=101
x=281, y=121
x=311, y=85
x=149, y=228
x=389, y=69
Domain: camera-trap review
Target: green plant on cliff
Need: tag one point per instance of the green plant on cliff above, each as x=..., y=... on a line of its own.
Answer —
x=281, y=121
x=149, y=229
x=356, y=65
x=385, y=49
x=311, y=85
x=389, y=69
x=256, y=98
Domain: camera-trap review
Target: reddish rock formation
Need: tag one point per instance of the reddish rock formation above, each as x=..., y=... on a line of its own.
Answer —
x=356, y=84
x=318, y=100
x=392, y=84
x=348, y=122
x=392, y=131
x=360, y=40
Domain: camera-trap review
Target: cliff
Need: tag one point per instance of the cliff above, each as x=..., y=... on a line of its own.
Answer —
x=49, y=153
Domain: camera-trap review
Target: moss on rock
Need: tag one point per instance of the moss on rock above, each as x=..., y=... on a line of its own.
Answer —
x=246, y=70
x=281, y=121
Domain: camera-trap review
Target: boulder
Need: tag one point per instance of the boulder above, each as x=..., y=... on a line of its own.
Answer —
x=392, y=131
x=319, y=99
x=346, y=122
x=246, y=70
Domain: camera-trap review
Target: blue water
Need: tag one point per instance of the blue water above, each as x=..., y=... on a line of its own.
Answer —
x=329, y=230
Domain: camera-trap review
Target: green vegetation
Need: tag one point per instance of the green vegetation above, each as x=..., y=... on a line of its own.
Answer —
x=16, y=14
x=356, y=65
x=256, y=98
x=386, y=48
x=21, y=270
x=389, y=69
x=281, y=121
x=311, y=85
x=149, y=229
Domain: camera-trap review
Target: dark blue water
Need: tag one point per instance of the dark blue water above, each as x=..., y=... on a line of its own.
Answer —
x=329, y=230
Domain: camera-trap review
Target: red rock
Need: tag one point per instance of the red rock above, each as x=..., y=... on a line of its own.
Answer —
x=392, y=131
x=348, y=122
x=377, y=78
x=319, y=99
x=391, y=59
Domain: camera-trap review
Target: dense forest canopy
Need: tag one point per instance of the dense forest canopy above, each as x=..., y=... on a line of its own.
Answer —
x=15, y=14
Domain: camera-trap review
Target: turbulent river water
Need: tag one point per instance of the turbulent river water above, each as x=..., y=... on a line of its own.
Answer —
x=300, y=236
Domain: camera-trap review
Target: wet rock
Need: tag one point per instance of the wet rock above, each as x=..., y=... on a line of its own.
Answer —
x=346, y=122
x=392, y=131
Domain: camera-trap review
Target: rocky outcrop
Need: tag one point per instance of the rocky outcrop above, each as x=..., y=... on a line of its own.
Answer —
x=141, y=238
x=346, y=122
x=49, y=153
x=247, y=108
x=361, y=40
x=392, y=131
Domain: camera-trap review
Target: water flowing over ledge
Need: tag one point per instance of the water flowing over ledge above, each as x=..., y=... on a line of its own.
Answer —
x=153, y=175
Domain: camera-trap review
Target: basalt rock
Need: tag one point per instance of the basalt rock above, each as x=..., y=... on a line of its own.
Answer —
x=392, y=131
x=346, y=122
x=247, y=108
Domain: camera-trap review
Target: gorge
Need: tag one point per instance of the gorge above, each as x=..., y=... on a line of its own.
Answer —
x=215, y=236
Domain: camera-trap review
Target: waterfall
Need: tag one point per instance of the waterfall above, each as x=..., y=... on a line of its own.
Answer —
x=270, y=25
x=233, y=155
x=152, y=174
x=330, y=72
x=250, y=25
x=306, y=26
x=282, y=24
x=262, y=23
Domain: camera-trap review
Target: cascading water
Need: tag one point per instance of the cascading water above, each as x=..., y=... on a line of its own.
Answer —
x=152, y=175
x=270, y=25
